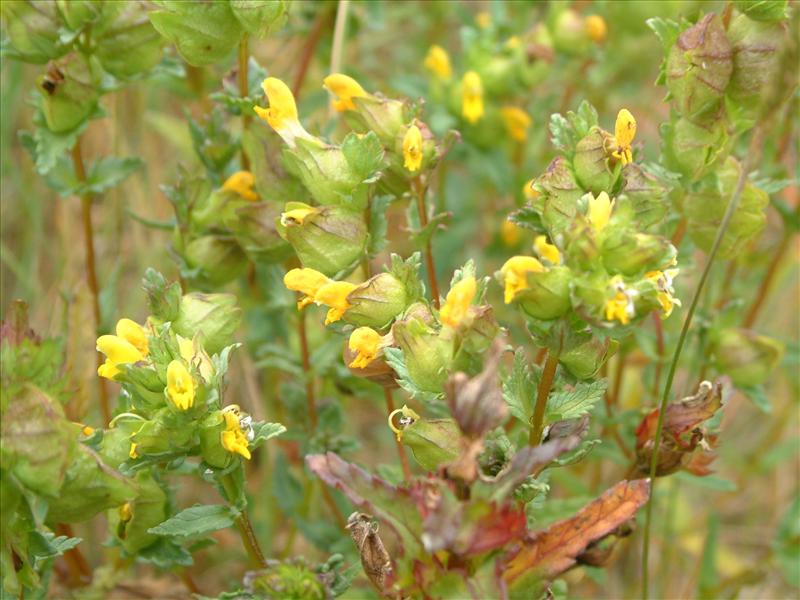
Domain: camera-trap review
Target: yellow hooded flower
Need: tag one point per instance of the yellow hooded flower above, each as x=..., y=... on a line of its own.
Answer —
x=529, y=191
x=334, y=295
x=296, y=216
x=510, y=233
x=412, y=149
x=624, y=132
x=458, y=302
x=546, y=250
x=596, y=28
x=483, y=19
x=407, y=417
x=600, y=211
x=242, y=183
x=193, y=353
x=307, y=282
x=345, y=89
x=134, y=333
x=366, y=343
x=132, y=451
x=666, y=291
x=282, y=112
x=233, y=439
x=515, y=274
x=472, y=97
x=180, y=385
x=516, y=121
x=437, y=62
x=620, y=306
x=118, y=351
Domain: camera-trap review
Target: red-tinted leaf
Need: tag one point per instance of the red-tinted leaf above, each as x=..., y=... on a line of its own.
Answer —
x=545, y=554
x=683, y=415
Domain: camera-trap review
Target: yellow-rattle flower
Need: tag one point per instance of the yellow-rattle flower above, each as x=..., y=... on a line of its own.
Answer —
x=366, y=343
x=596, y=28
x=345, y=89
x=458, y=301
x=282, y=112
x=242, y=183
x=546, y=250
x=472, y=97
x=624, y=132
x=516, y=121
x=233, y=439
x=620, y=307
x=515, y=274
x=412, y=149
x=510, y=233
x=666, y=291
x=307, y=282
x=119, y=350
x=600, y=211
x=180, y=385
x=437, y=62
x=334, y=295
x=296, y=216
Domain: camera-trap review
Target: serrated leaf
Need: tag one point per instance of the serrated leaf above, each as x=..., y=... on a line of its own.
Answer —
x=529, y=218
x=165, y=553
x=265, y=431
x=575, y=402
x=378, y=224
x=203, y=32
x=395, y=359
x=519, y=388
x=197, y=520
x=666, y=30
x=578, y=454
x=108, y=172
x=363, y=154
x=260, y=17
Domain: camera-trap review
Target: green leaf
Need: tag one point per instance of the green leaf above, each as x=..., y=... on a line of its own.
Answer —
x=265, y=431
x=666, y=30
x=203, y=32
x=395, y=359
x=197, y=520
x=46, y=545
x=570, y=404
x=165, y=553
x=363, y=154
x=378, y=224
x=787, y=544
x=529, y=218
x=758, y=396
x=519, y=388
x=578, y=454
x=260, y=17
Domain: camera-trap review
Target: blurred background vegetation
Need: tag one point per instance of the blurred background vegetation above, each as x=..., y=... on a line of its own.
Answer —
x=732, y=534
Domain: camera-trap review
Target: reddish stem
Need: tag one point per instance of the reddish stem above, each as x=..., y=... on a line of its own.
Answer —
x=545, y=385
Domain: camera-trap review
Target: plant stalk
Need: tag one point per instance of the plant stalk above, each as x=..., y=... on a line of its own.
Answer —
x=419, y=188
x=338, y=35
x=401, y=450
x=305, y=357
x=91, y=269
x=246, y=532
x=308, y=51
x=244, y=91
x=545, y=385
x=723, y=227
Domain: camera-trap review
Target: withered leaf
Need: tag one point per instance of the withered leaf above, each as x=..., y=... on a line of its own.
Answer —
x=374, y=558
x=545, y=554
x=685, y=414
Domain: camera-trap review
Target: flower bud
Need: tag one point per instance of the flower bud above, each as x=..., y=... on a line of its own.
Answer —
x=129, y=45
x=704, y=210
x=570, y=34
x=329, y=239
x=377, y=301
x=559, y=196
x=584, y=361
x=69, y=93
x=694, y=149
x=428, y=356
x=644, y=195
x=747, y=358
x=591, y=163
x=472, y=97
x=699, y=67
x=756, y=61
x=216, y=316
x=759, y=10
x=218, y=258
x=624, y=251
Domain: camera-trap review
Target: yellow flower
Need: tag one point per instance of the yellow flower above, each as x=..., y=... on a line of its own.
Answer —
x=510, y=233
x=513, y=42
x=242, y=183
x=412, y=149
x=596, y=28
x=516, y=121
x=458, y=301
x=193, y=353
x=620, y=306
x=118, y=351
x=472, y=97
x=665, y=294
x=407, y=417
x=483, y=19
x=515, y=274
x=282, y=112
x=345, y=89
x=438, y=62
x=624, y=132
x=546, y=250
x=529, y=191
x=307, y=282
x=233, y=439
x=296, y=216
x=365, y=341
x=132, y=451
x=180, y=385
x=334, y=295
x=134, y=333
x=600, y=211
x=125, y=512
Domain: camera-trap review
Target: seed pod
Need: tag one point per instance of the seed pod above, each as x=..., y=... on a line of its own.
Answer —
x=763, y=10
x=428, y=356
x=33, y=29
x=547, y=294
x=747, y=358
x=215, y=315
x=323, y=169
x=146, y=510
x=630, y=253
x=644, y=194
x=584, y=361
x=694, y=149
x=591, y=162
x=559, y=199
x=69, y=93
x=377, y=301
x=257, y=234
x=699, y=68
x=433, y=442
x=218, y=258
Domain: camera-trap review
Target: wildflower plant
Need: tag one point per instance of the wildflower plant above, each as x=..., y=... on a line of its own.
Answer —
x=427, y=288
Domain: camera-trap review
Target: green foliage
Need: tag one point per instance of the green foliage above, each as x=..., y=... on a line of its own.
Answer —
x=196, y=521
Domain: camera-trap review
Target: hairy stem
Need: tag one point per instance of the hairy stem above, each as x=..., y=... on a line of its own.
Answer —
x=723, y=227
x=419, y=188
x=545, y=385
x=401, y=450
x=91, y=269
x=244, y=527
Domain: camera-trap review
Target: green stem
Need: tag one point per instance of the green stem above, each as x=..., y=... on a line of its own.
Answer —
x=420, y=190
x=243, y=525
x=244, y=90
x=723, y=227
x=545, y=385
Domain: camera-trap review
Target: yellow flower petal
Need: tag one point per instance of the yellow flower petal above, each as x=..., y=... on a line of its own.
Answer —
x=472, y=97
x=510, y=233
x=624, y=132
x=515, y=274
x=546, y=250
x=134, y=333
x=306, y=281
x=483, y=19
x=282, y=112
x=296, y=216
x=365, y=341
x=516, y=121
x=242, y=183
x=412, y=149
x=458, y=301
x=345, y=89
x=437, y=62
x=596, y=28
x=180, y=385
x=118, y=351
x=600, y=211
x=334, y=295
